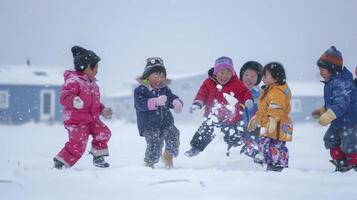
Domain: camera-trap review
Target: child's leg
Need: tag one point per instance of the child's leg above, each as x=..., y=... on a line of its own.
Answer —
x=349, y=144
x=203, y=136
x=172, y=140
x=232, y=136
x=154, y=141
x=251, y=143
x=332, y=141
x=76, y=145
x=101, y=135
x=275, y=152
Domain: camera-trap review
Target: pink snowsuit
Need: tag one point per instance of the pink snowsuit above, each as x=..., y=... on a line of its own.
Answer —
x=80, y=123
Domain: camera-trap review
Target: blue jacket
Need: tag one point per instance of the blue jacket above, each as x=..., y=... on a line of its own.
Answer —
x=249, y=113
x=148, y=119
x=340, y=95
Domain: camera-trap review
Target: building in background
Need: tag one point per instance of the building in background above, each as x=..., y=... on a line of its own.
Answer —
x=29, y=93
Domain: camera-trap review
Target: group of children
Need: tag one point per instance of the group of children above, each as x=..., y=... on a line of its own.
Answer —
x=254, y=117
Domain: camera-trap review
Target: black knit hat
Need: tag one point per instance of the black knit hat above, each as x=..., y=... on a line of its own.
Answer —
x=277, y=72
x=331, y=60
x=83, y=57
x=253, y=65
x=153, y=64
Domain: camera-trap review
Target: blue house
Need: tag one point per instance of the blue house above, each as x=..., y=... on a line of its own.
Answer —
x=29, y=93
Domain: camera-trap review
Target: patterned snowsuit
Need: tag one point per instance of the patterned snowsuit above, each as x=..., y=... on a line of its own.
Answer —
x=218, y=112
x=80, y=123
x=274, y=102
x=156, y=124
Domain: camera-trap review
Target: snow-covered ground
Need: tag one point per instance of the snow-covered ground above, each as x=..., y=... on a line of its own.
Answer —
x=26, y=171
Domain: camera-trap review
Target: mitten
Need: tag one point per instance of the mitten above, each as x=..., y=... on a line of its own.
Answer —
x=271, y=125
x=107, y=113
x=195, y=106
x=161, y=100
x=318, y=112
x=252, y=124
x=248, y=104
x=327, y=117
x=177, y=106
x=78, y=102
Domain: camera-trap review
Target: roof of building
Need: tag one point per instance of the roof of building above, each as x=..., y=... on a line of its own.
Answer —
x=31, y=75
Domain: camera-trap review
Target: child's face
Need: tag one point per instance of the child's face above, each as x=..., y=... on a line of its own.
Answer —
x=325, y=74
x=223, y=76
x=250, y=78
x=91, y=72
x=268, y=79
x=156, y=79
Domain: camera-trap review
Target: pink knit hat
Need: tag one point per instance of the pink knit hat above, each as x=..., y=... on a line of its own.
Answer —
x=223, y=63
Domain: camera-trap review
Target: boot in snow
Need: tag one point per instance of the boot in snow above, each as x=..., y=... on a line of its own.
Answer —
x=192, y=152
x=341, y=165
x=100, y=162
x=149, y=165
x=167, y=159
x=275, y=168
x=58, y=164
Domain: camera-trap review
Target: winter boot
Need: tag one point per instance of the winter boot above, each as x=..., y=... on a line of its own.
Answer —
x=58, y=164
x=259, y=159
x=167, y=159
x=100, y=162
x=192, y=152
x=275, y=168
x=149, y=165
x=341, y=165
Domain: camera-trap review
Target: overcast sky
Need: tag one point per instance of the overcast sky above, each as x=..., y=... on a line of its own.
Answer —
x=188, y=34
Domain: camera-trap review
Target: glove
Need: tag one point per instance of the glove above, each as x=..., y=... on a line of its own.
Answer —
x=248, y=104
x=78, y=102
x=177, y=106
x=252, y=124
x=195, y=106
x=161, y=100
x=327, y=117
x=271, y=125
x=107, y=113
x=318, y=112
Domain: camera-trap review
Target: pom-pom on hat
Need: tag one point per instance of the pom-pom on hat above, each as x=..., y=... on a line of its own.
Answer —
x=331, y=59
x=253, y=65
x=83, y=57
x=153, y=64
x=223, y=63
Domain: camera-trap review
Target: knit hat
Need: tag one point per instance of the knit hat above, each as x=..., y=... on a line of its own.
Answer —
x=83, y=57
x=223, y=63
x=331, y=60
x=253, y=65
x=153, y=64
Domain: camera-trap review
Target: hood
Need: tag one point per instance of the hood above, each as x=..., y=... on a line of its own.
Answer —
x=344, y=74
x=69, y=73
x=144, y=82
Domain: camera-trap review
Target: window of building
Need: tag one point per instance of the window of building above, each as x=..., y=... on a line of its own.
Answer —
x=4, y=99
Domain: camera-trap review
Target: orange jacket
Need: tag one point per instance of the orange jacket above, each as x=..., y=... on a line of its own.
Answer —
x=274, y=102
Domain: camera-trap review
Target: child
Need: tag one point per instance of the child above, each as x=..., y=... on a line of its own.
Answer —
x=340, y=109
x=219, y=112
x=272, y=117
x=80, y=98
x=153, y=100
x=251, y=74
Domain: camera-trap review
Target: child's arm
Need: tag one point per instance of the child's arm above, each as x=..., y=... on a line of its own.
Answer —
x=202, y=93
x=70, y=89
x=340, y=97
x=145, y=103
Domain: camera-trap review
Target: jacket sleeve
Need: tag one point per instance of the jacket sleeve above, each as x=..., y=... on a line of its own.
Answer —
x=340, y=97
x=202, y=93
x=69, y=90
x=243, y=93
x=141, y=99
x=171, y=97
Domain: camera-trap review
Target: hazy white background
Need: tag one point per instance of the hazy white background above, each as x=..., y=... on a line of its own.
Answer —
x=188, y=35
